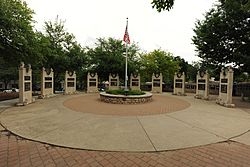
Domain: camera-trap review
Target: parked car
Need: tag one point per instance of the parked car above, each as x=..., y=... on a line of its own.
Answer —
x=7, y=91
x=11, y=90
x=15, y=90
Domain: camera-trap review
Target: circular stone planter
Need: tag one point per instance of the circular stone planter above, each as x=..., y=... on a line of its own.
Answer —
x=122, y=99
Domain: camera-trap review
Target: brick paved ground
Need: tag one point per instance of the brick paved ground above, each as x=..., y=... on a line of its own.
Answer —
x=18, y=152
x=92, y=104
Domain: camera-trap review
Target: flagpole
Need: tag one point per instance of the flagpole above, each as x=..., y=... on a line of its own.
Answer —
x=126, y=64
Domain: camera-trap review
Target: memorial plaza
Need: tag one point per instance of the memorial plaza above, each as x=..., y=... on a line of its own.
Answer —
x=104, y=129
x=81, y=130
x=175, y=94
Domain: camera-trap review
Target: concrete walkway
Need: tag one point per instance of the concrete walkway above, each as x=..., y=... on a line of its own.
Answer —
x=204, y=122
x=7, y=104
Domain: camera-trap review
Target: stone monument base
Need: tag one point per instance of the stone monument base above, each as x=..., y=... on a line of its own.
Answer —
x=223, y=103
x=201, y=97
x=46, y=96
x=70, y=93
x=25, y=102
x=180, y=94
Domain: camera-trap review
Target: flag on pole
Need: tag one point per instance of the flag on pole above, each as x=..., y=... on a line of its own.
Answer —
x=126, y=36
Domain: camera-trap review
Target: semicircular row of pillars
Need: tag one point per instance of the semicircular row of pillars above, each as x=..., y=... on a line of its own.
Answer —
x=47, y=84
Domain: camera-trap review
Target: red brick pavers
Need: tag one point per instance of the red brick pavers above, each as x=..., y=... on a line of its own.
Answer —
x=92, y=104
x=19, y=152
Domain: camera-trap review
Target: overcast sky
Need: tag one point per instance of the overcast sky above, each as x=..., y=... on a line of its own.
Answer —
x=90, y=19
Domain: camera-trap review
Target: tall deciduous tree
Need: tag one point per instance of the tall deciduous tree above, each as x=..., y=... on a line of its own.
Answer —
x=158, y=61
x=224, y=36
x=109, y=57
x=17, y=38
x=60, y=49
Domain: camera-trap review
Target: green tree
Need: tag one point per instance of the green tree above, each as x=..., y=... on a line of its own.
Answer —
x=18, y=41
x=158, y=61
x=7, y=73
x=109, y=57
x=161, y=5
x=182, y=64
x=191, y=73
x=17, y=38
x=60, y=50
x=54, y=38
x=223, y=37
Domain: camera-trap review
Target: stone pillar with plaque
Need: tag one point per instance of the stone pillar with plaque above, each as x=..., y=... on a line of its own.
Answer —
x=70, y=82
x=202, y=85
x=92, y=83
x=135, y=82
x=156, y=83
x=47, y=83
x=113, y=81
x=179, y=84
x=226, y=87
x=25, y=85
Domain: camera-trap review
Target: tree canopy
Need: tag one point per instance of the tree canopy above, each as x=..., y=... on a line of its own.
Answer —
x=109, y=57
x=158, y=61
x=161, y=5
x=17, y=38
x=224, y=35
x=58, y=49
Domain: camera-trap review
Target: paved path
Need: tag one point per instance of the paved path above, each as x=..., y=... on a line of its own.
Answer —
x=18, y=152
x=159, y=105
x=7, y=103
x=204, y=122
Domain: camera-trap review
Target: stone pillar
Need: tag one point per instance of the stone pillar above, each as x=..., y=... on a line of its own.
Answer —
x=157, y=83
x=179, y=84
x=25, y=84
x=47, y=83
x=226, y=87
x=202, y=85
x=135, y=82
x=113, y=81
x=70, y=82
x=92, y=83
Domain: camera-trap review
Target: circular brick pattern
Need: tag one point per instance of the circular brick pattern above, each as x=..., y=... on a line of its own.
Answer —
x=92, y=104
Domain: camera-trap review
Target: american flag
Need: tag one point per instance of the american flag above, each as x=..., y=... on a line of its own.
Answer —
x=126, y=36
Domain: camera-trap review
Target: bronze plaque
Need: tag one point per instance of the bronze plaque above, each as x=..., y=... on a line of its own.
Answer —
x=70, y=84
x=223, y=88
x=223, y=81
x=135, y=83
x=113, y=84
x=27, y=86
x=178, y=85
x=92, y=84
x=27, y=78
x=48, y=85
x=135, y=80
x=178, y=80
x=201, y=80
x=48, y=78
x=92, y=80
x=156, y=82
x=201, y=86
